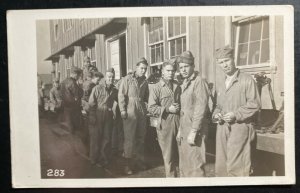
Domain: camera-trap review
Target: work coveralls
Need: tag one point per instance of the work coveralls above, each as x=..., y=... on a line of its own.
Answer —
x=87, y=87
x=86, y=69
x=233, y=141
x=101, y=119
x=161, y=97
x=193, y=116
x=71, y=96
x=133, y=95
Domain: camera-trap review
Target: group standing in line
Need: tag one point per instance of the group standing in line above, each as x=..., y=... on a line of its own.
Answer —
x=116, y=116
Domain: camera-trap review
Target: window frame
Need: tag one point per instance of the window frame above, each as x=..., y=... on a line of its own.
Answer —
x=240, y=20
x=169, y=39
x=156, y=43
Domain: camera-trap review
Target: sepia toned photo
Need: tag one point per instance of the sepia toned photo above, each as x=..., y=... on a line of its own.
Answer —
x=163, y=96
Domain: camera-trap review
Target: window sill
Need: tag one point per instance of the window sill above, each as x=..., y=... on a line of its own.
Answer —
x=253, y=69
x=156, y=64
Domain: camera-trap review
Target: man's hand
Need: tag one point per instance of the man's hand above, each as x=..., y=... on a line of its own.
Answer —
x=178, y=137
x=229, y=117
x=192, y=137
x=124, y=114
x=217, y=118
x=174, y=108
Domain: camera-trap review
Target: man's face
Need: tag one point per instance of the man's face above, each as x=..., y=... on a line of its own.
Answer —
x=186, y=70
x=141, y=69
x=55, y=84
x=109, y=78
x=227, y=65
x=87, y=62
x=168, y=72
x=96, y=80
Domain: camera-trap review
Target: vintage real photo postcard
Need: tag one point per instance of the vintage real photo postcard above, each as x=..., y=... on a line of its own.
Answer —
x=152, y=96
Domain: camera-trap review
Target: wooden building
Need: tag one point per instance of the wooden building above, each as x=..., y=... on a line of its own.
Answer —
x=119, y=42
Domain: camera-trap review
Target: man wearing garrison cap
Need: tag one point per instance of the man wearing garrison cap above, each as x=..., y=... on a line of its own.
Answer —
x=164, y=104
x=193, y=119
x=71, y=100
x=87, y=67
x=237, y=104
x=133, y=95
x=101, y=103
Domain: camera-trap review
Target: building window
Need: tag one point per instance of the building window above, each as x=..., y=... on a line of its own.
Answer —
x=156, y=40
x=69, y=64
x=252, y=46
x=67, y=23
x=176, y=35
x=92, y=55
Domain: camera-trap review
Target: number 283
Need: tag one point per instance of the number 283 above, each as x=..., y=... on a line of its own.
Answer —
x=55, y=172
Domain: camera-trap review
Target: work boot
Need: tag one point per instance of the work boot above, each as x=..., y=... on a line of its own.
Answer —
x=128, y=166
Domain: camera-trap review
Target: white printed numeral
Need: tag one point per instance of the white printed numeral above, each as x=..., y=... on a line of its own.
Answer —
x=55, y=173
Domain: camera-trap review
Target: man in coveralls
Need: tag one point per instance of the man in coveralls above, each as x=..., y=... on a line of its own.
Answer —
x=164, y=103
x=237, y=104
x=133, y=95
x=71, y=96
x=193, y=119
x=92, y=80
x=101, y=103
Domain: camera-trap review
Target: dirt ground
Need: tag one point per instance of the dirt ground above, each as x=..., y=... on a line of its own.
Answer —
x=66, y=153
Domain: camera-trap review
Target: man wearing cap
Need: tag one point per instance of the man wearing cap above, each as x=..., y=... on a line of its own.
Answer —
x=193, y=119
x=133, y=95
x=71, y=100
x=87, y=67
x=164, y=103
x=101, y=103
x=55, y=96
x=237, y=104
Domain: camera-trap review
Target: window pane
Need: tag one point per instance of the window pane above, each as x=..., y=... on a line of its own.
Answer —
x=255, y=30
x=151, y=37
x=162, y=52
x=184, y=44
x=254, y=53
x=161, y=34
x=266, y=28
x=170, y=28
x=152, y=54
x=156, y=35
x=178, y=46
x=158, y=55
x=265, y=51
x=177, y=25
x=244, y=33
x=242, y=54
x=172, y=48
x=183, y=25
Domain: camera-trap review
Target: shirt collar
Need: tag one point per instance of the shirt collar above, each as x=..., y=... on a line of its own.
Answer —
x=234, y=76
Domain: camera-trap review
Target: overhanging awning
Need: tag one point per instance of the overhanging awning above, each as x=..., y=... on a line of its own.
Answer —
x=89, y=38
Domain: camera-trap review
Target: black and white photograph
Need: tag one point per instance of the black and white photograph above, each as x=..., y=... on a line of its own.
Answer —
x=133, y=98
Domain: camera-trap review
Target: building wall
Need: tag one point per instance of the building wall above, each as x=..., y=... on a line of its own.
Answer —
x=204, y=35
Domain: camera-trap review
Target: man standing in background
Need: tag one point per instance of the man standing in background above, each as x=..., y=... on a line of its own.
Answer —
x=71, y=99
x=101, y=103
x=237, y=104
x=133, y=95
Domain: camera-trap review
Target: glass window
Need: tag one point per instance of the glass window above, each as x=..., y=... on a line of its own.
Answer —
x=176, y=35
x=253, y=42
x=155, y=38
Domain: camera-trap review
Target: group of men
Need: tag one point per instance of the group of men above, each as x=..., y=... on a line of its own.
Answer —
x=181, y=110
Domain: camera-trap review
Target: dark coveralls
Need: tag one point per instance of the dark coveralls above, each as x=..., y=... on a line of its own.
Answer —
x=194, y=109
x=233, y=141
x=71, y=100
x=101, y=119
x=161, y=97
x=133, y=94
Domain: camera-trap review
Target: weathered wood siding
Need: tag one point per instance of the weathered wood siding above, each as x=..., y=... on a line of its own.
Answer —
x=135, y=42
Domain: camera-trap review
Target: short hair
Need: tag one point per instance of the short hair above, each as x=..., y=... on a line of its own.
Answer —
x=171, y=62
x=98, y=75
